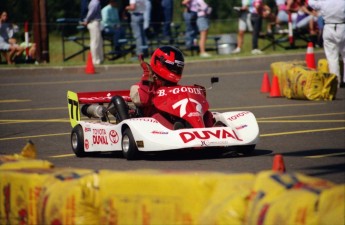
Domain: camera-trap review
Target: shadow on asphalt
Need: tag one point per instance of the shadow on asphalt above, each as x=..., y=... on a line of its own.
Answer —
x=322, y=169
x=183, y=155
x=326, y=169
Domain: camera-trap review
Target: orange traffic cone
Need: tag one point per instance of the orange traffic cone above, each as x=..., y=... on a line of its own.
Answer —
x=265, y=86
x=275, y=90
x=90, y=69
x=278, y=164
x=310, y=57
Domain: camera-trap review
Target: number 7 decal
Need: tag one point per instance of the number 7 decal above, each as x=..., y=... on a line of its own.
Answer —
x=73, y=108
x=183, y=106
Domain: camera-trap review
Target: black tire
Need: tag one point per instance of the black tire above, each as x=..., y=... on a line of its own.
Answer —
x=121, y=108
x=77, y=141
x=245, y=149
x=129, y=147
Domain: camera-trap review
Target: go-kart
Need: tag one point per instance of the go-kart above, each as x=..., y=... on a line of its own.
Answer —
x=182, y=105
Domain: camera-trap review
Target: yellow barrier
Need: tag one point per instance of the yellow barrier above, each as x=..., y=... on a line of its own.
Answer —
x=81, y=196
x=280, y=69
x=304, y=83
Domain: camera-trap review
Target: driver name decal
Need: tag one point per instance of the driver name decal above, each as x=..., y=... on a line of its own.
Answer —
x=99, y=136
x=177, y=90
x=208, y=134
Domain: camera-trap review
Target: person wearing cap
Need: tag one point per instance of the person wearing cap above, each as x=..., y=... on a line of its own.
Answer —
x=333, y=13
x=93, y=23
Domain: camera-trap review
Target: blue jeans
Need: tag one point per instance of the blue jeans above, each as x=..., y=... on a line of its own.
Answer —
x=191, y=28
x=137, y=24
x=256, y=23
x=116, y=33
x=167, y=16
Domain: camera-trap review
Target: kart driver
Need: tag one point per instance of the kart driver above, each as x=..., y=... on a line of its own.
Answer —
x=165, y=69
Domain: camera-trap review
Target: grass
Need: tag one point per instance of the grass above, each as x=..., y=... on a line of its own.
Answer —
x=55, y=53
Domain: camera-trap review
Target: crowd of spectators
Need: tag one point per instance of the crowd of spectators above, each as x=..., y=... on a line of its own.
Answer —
x=14, y=49
x=153, y=18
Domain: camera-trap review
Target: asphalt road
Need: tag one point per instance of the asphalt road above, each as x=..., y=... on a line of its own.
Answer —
x=309, y=134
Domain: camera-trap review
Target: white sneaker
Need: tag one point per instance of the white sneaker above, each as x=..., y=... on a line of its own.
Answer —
x=237, y=50
x=257, y=52
x=205, y=55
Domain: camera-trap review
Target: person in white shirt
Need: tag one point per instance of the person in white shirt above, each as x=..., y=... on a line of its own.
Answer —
x=333, y=13
x=137, y=9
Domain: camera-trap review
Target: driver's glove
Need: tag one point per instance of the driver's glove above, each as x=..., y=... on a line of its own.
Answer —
x=147, y=76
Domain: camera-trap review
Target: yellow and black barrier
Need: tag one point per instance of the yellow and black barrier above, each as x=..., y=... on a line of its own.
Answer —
x=80, y=196
x=296, y=81
x=33, y=192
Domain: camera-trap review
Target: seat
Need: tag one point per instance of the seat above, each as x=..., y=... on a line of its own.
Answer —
x=72, y=31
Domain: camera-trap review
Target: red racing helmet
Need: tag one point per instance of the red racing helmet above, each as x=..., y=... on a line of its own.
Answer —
x=168, y=63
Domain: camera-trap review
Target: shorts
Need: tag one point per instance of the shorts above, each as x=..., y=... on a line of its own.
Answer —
x=283, y=16
x=203, y=23
x=244, y=22
x=4, y=45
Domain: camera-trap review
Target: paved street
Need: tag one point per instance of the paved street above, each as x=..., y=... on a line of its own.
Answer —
x=309, y=134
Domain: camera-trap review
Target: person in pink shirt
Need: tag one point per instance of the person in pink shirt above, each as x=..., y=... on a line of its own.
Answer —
x=203, y=11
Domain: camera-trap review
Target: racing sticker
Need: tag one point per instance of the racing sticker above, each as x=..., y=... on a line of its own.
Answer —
x=183, y=106
x=208, y=134
x=73, y=108
x=113, y=136
x=99, y=137
x=238, y=115
x=86, y=144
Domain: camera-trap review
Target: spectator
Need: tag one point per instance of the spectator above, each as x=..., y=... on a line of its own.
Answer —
x=333, y=13
x=307, y=18
x=112, y=24
x=244, y=24
x=83, y=9
x=147, y=16
x=8, y=45
x=7, y=30
x=137, y=10
x=93, y=23
x=256, y=10
x=203, y=11
x=190, y=23
x=156, y=17
x=167, y=8
x=29, y=53
x=283, y=11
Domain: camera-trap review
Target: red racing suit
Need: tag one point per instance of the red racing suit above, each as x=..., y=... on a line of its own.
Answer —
x=143, y=92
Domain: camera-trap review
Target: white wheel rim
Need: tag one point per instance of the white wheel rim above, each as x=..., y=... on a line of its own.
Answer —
x=74, y=141
x=125, y=143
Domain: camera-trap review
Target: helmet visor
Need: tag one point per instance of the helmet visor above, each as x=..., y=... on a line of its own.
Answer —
x=175, y=67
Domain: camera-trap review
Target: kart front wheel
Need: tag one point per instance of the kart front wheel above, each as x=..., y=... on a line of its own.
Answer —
x=77, y=141
x=129, y=147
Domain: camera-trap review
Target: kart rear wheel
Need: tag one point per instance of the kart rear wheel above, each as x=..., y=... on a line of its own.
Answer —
x=77, y=141
x=245, y=149
x=129, y=147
